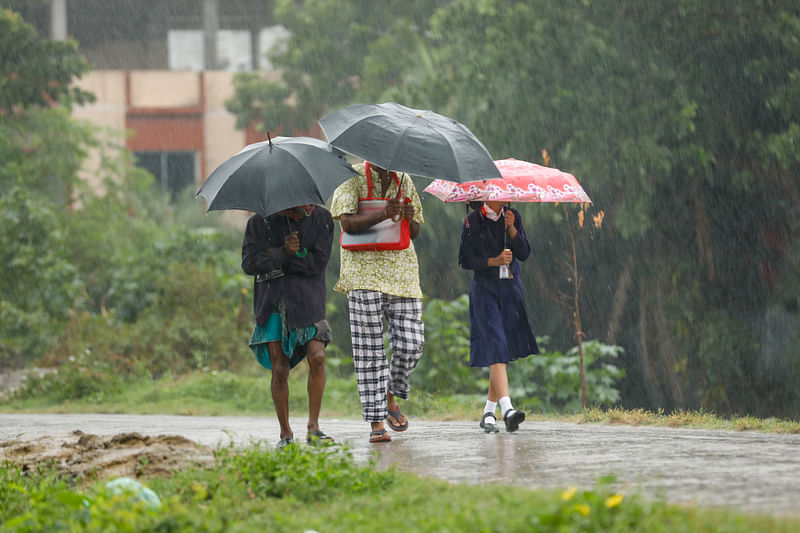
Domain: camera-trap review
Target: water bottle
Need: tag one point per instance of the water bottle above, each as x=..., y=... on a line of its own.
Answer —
x=505, y=273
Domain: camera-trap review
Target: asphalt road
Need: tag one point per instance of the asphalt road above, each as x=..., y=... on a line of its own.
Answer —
x=747, y=471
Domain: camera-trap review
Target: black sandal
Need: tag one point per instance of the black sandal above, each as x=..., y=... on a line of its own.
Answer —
x=318, y=437
x=488, y=427
x=513, y=419
x=283, y=443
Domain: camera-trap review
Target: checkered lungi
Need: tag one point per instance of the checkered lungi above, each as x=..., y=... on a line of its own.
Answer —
x=406, y=337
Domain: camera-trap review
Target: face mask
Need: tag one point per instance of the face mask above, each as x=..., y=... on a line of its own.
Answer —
x=491, y=215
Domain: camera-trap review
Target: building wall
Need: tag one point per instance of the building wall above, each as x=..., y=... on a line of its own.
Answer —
x=108, y=113
x=222, y=139
x=163, y=111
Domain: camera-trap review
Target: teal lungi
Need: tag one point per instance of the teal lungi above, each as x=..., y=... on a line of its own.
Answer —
x=275, y=329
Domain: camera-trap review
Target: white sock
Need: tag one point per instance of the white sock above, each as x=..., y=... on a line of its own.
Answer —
x=490, y=407
x=505, y=404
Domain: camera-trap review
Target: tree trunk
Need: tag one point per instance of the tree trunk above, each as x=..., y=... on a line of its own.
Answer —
x=618, y=302
x=576, y=314
x=667, y=349
x=655, y=397
x=702, y=224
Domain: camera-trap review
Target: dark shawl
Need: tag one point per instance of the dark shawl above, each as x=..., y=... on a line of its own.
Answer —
x=302, y=288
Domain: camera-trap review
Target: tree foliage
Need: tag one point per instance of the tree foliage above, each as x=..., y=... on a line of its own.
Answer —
x=104, y=285
x=41, y=149
x=358, y=49
x=681, y=120
x=33, y=248
x=36, y=72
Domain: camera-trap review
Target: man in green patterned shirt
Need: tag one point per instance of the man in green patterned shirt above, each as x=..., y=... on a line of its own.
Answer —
x=381, y=284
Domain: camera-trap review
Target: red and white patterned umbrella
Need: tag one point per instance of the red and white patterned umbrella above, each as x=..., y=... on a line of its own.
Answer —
x=521, y=182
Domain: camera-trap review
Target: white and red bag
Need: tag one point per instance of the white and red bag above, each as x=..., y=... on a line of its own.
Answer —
x=385, y=235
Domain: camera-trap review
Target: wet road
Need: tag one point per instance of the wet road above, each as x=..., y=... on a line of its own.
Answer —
x=755, y=472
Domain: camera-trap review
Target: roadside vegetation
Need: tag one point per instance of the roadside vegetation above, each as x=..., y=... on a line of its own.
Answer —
x=306, y=488
x=222, y=393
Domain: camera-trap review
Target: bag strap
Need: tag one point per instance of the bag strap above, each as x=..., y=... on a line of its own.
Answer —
x=368, y=172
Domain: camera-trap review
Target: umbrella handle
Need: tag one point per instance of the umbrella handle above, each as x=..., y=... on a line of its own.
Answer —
x=397, y=218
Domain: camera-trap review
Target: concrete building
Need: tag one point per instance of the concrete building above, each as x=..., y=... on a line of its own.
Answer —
x=163, y=70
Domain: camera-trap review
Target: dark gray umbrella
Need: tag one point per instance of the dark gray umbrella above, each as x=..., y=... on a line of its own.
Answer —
x=416, y=141
x=273, y=175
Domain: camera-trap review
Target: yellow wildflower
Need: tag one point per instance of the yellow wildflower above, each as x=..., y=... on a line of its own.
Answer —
x=613, y=501
x=582, y=508
x=580, y=218
x=568, y=494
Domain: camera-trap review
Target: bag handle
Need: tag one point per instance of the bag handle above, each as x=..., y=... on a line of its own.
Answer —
x=368, y=168
x=393, y=175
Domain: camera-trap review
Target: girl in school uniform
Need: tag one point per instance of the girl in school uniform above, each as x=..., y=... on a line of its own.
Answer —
x=493, y=242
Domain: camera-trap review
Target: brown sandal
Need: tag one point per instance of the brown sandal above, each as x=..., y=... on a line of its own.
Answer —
x=397, y=426
x=379, y=435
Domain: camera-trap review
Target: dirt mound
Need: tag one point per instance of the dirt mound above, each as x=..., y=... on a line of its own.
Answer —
x=125, y=454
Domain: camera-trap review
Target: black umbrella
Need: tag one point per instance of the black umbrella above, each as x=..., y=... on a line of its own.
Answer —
x=419, y=142
x=276, y=174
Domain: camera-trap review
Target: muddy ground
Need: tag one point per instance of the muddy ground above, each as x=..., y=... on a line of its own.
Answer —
x=90, y=456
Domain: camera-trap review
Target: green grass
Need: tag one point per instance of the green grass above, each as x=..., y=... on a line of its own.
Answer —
x=693, y=419
x=224, y=393
x=303, y=488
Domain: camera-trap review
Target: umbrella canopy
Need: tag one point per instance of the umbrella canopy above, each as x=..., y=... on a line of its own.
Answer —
x=419, y=142
x=521, y=182
x=273, y=175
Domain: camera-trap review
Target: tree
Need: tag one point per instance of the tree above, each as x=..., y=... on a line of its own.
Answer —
x=676, y=118
x=358, y=50
x=36, y=72
x=41, y=148
x=681, y=120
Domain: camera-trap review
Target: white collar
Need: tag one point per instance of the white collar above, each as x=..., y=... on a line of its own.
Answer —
x=491, y=215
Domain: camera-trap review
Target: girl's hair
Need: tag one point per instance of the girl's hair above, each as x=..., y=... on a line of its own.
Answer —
x=471, y=206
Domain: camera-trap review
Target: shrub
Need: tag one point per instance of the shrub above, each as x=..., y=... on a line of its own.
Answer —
x=304, y=472
x=38, y=284
x=551, y=380
x=444, y=366
x=194, y=324
x=43, y=501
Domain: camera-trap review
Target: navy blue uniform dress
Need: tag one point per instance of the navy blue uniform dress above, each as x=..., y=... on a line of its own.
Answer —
x=500, y=331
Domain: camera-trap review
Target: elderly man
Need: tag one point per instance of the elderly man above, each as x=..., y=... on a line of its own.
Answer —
x=287, y=253
x=381, y=284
